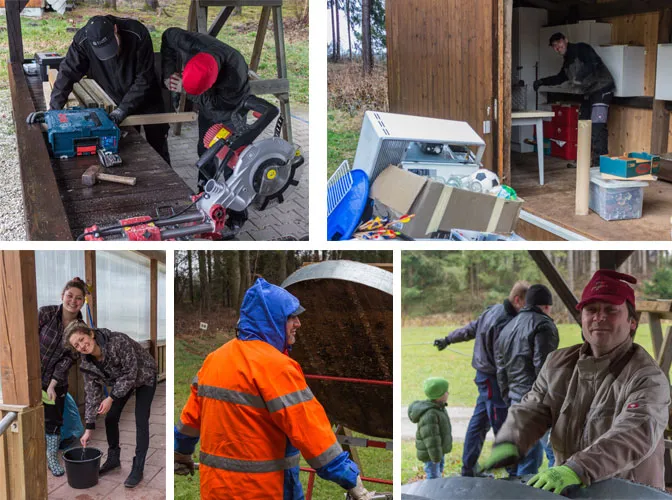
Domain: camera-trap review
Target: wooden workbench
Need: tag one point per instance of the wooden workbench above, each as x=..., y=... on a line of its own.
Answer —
x=554, y=202
x=57, y=205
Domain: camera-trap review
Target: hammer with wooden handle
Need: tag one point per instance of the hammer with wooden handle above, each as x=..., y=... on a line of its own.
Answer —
x=93, y=174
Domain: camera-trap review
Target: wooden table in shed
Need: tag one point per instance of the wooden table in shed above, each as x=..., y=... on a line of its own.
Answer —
x=536, y=118
x=57, y=205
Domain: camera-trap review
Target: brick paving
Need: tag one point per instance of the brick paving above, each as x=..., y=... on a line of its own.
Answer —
x=111, y=485
x=288, y=219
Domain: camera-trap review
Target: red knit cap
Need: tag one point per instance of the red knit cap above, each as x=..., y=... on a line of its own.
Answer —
x=608, y=286
x=199, y=74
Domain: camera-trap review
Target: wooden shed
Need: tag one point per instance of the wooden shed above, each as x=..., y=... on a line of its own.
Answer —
x=455, y=60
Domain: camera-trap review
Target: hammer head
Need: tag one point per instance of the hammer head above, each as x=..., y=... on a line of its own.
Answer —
x=89, y=177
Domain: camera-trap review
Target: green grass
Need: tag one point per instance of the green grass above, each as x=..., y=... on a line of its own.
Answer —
x=49, y=34
x=342, y=138
x=419, y=362
x=189, y=356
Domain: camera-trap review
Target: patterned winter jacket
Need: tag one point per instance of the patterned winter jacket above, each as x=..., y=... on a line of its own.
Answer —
x=607, y=414
x=433, y=438
x=55, y=358
x=125, y=365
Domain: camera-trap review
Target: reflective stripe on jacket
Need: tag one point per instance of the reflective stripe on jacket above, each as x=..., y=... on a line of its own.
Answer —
x=607, y=417
x=250, y=399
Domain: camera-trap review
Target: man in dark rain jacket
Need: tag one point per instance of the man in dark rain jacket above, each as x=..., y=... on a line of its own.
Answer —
x=520, y=352
x=118, y=54
x=586, y=72
x=490, y=410
x=214, y=77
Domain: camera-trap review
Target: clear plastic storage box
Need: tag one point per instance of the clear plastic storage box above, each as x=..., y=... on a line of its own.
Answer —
x=615, y=200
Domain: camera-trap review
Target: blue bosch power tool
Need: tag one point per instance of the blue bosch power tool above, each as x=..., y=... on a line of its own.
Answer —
x=77, y=132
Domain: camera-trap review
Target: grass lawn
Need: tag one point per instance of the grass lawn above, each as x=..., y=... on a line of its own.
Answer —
x=420, y=359
x=189, y=356
x=50, y=34
x=342, y=138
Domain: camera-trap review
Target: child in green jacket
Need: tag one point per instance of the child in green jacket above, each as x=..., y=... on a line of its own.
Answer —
x=433, y=437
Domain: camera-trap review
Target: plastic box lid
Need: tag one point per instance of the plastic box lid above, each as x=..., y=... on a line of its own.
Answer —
x=613, y=184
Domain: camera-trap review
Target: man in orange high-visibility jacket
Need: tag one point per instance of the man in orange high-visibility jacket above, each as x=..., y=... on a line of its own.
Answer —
x=253, y=411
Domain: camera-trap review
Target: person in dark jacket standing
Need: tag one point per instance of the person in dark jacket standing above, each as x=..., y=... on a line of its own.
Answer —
x=118, y=54
x=114, y=359
x=520, y=352
x=55, y=361
x=433, y=437
x=490, y=410
x=214, y=77
x=586, y=72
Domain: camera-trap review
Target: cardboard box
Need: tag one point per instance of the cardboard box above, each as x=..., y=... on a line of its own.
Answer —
x=632, y=165
x=438, y=207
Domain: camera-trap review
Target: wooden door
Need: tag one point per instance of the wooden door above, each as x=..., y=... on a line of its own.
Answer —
x=442, y=55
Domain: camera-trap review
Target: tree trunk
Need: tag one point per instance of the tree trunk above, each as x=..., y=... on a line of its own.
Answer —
x=244, y=263
x=367, y=49
x=282, y=267
x=570, y=270
x=191, y=277
x=203, y=279
x=594, y=261
x=305, y=16
x=233, y=265
x=151, y=4
x=333, y=31
x=338, y=30
x=347, y=17
x=645, y=262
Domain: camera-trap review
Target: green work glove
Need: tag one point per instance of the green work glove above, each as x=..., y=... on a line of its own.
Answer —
x=555, y=479
x=502, y=455
x=46, y=400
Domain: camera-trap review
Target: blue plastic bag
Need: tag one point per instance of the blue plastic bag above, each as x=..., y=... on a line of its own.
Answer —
x=72, y=423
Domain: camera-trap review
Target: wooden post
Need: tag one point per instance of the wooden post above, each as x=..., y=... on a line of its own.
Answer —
x=13, y=10
x=505, y=103
x=90, y=277
x=354, y=453
x=279, y=34
x=583, y=168
x=660, y=125
x=153, y=307
x=261, y=35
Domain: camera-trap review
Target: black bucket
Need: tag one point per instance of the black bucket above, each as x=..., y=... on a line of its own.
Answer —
x=82, y=466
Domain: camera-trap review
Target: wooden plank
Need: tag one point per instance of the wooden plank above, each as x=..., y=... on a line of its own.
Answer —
x=259, y=40
x=43, y=209
x=15, y=38
x=660, y=125
x=20, y=371
x=219, y=21
x=240, y=3
x=277, y=86
x=557, y=282
x=158, y=255
x=656, y=333
x=52, y=74
x=46, y=90
x=156, y=118
x=665, y=355
x=654, y=306
x=281, y=63
x=5, y=470
x=83, y=96
x=92, y=284
x=27, y=454
x=201, y=17
x=505, y=103
x=629, y=129
x=613, y=259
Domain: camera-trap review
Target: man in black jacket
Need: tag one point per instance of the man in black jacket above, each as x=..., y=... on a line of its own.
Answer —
x=214, y=77
x=585, y=71
x=520, y=352
x=490, y=410
x=118, y=54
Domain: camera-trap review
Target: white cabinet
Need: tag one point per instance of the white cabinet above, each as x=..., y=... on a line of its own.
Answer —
x=550, y=62
x=664, y=72
x=626, y=63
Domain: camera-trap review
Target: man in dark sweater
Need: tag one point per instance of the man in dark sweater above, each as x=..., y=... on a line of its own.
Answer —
x=214, y=77
x=118, y=54
x=586, y=72
x=490, y=410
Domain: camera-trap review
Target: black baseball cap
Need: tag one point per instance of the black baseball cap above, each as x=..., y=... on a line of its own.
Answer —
x=100, y=33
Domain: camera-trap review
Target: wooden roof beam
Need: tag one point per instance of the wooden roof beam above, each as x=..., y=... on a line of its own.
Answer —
x=557, y=282
x=620, y=8
x=612, y=259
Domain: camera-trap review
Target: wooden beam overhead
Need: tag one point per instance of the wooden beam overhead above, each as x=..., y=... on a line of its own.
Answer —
x=159, y=255
x=548, y=5
x=20, y=371
x=219, y=21
x=90, y=270
x=612, y=259
x=620, y=8
x=557, y=282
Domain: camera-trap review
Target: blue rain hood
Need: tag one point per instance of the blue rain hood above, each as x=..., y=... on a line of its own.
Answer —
x=264, y=313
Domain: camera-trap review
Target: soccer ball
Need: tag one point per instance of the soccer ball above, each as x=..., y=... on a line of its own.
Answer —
x=505, y=192
x=483, y=179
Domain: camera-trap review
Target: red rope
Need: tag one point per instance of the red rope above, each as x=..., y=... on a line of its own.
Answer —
x=346, y=379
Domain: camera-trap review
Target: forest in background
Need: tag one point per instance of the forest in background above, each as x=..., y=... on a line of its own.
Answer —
x=212, y=280
x=463, y=283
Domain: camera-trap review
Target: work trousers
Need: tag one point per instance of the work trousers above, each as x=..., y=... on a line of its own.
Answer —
x=53, y=414
x=157, y=137
x=143, y=405
x=490, y=412
x=595, y=107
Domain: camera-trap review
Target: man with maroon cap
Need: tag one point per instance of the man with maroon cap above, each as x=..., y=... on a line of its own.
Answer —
x=214, y=77
x=118, y=54
x=606, y=400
